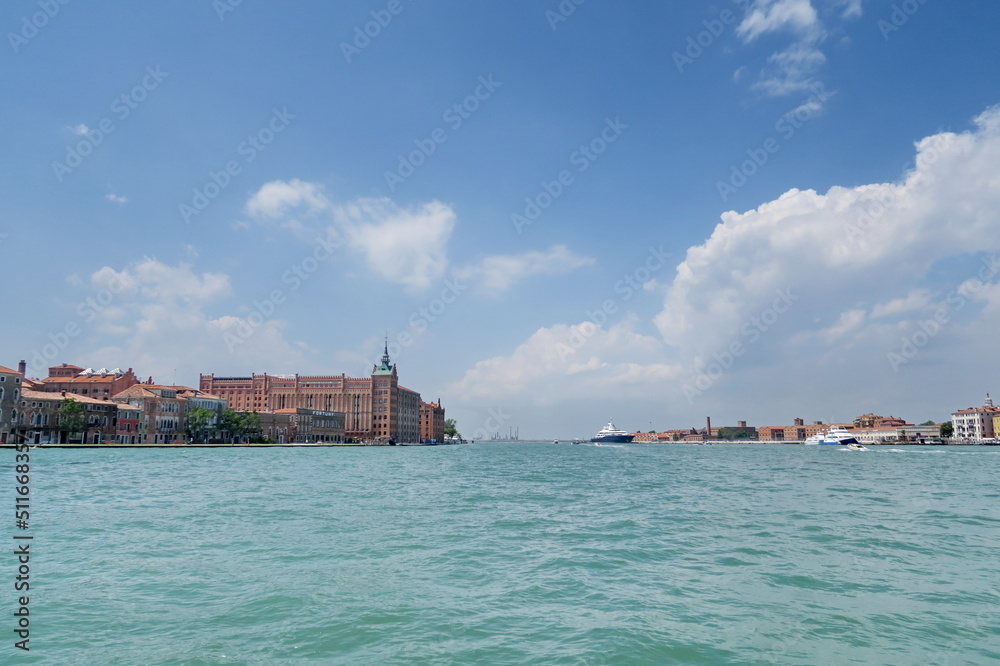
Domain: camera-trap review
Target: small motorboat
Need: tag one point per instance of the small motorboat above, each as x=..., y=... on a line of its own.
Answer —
x=856, y=447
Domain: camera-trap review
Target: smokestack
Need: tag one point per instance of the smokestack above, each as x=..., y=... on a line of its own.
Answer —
x=22, y=367
x=708, y=427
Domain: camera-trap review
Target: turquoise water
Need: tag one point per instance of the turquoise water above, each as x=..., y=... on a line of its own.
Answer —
x=523, y=553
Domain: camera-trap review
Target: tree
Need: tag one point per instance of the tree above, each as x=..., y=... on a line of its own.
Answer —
x=251, y=427
x=232, y=424
x=947, y=429
x=197, y=419
x=929, y=423
x=450, y=430
x=72, y=418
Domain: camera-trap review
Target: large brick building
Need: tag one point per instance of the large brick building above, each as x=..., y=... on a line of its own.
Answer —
x=798, y=431
x=431, y=421
x=161, y=412
x=374, y=407
x=102, y=384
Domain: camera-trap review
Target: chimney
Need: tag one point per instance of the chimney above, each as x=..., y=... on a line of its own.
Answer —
x=22, y=367
x=708, y=427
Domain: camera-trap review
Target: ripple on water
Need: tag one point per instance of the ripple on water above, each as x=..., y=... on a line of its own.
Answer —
x=516, y=554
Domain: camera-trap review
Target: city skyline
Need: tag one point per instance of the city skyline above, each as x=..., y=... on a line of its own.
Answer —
x=756, y=209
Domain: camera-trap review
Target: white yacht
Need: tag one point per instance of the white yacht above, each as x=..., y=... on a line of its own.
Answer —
x=835, y=435
x=610, y=433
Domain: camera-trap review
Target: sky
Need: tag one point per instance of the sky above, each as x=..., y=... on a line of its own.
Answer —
x=556, y=212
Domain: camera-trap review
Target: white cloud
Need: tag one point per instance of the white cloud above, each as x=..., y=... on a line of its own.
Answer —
x=852, y=8
x=114, y=198
x=277, y=198
x=497, y=273
x=80, y=129
x=402, y=245
x=566, y=361
x=791, y=70
x=816, y=289
x=765, y=16
x=794, y=68
x=160, y=316
x=916, y=300
x=847, y=253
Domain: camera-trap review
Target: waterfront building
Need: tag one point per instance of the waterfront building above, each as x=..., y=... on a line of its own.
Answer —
x=39, y=418
x=303, y=426
x=375, y=407
x=876, y=421
x=10, y=394
x=889, y=434
x=162, y=412
x=199, y=399
x=975, y=423
x=431, y=421
x=798, y=431
x=127, y=428
x=102, y=384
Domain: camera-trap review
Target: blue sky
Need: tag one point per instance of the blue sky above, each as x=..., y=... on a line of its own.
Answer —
x=558, y=212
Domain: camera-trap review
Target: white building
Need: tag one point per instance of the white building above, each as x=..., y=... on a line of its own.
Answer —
x=975, y=423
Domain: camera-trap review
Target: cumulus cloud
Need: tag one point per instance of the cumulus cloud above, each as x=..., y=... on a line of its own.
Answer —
x=276, y=198
x=847, y=255
x=808, y=292
x=497, y=273
x=402, y=245
x=566, y=361
x=160, y=316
